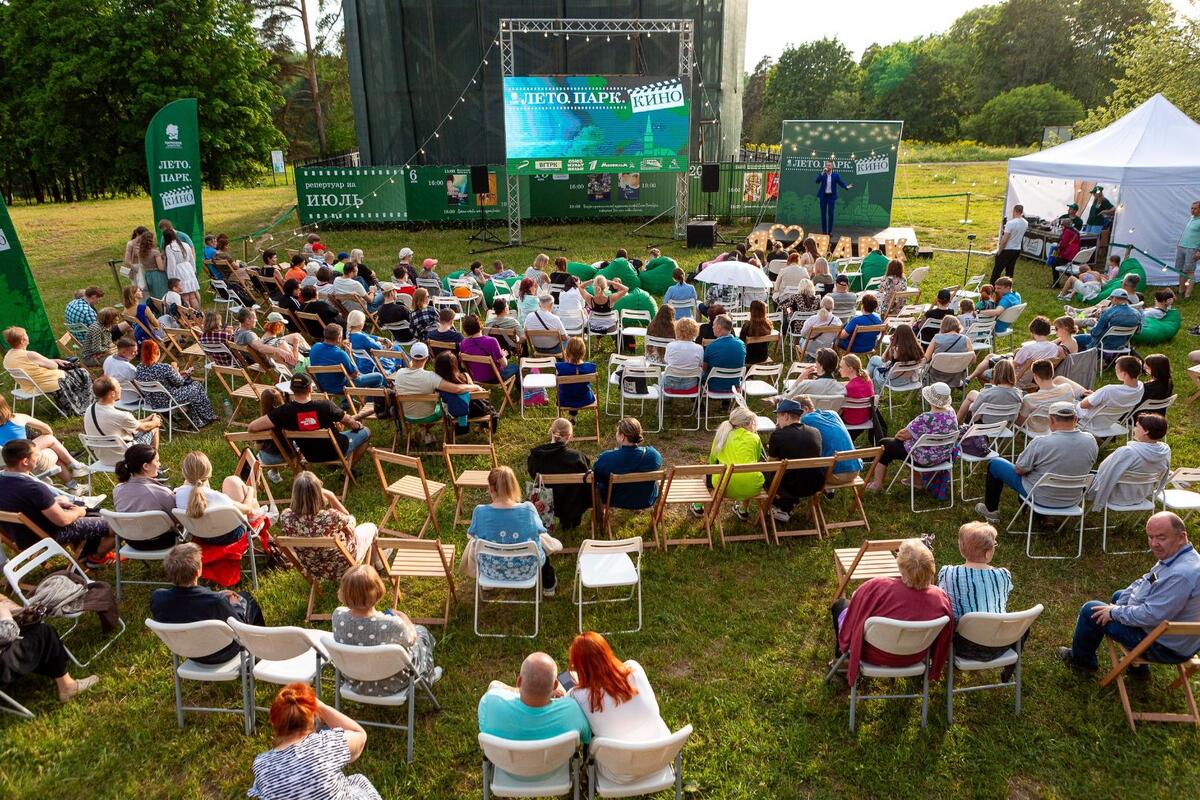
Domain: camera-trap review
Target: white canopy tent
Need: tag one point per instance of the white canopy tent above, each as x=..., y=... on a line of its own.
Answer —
x=1149, y=165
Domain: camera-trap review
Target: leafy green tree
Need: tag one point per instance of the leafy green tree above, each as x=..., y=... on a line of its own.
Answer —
x=1097, y=27
x=806, y=83
x=912, y=81
x=1016, y=117
x=1028, y=42
x=754, y=90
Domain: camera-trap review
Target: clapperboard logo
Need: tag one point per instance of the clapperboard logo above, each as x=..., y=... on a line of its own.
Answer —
x=178, y=198
x=656, y=96
x=873, y=165
x=4, y=245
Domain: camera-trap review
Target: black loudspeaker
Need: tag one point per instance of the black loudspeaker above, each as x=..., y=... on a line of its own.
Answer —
x=710, y=178
x=479, y=179
x=701, y=233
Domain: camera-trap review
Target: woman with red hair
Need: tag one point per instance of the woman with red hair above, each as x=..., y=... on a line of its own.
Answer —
x=305, y=764
x=616, y=697
x=183, y=390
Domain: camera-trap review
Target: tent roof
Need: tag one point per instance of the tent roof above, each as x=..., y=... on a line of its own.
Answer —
x=1156, y=142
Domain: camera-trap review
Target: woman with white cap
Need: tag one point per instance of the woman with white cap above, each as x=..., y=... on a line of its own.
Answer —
x=361, y=341
x=275, y=335
x=939, y=419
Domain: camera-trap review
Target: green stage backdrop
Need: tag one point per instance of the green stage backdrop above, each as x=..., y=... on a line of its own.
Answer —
x=173, y=165
x=20, y=303
x=863, y=152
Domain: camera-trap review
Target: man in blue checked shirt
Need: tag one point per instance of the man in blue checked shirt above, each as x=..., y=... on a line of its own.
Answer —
x=82, y=310
x=1170, y=591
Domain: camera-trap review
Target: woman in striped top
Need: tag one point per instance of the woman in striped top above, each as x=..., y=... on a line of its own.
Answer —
x=976, y=585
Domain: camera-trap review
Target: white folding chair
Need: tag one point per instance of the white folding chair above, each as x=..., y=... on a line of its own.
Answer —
x=1108, y=423
x=92, y=447
x=1001, y=412
x=968, y=291
x=652, y=375
x=280, y=655
x=375, y=663
x=192, y=640
x=137, y=526
x=859, y=403
x=131, y=398
x=218, y=522
x=901, y=638
x=687, y=307
x=604, y=564
x=32, y=394
x=730, y=393
x=902, y=377
x=1149, y=407
x=1107, y=351
x=956, y=365
x=918, y=275
x=10, y=706
x=762, y=380
x=990, y=630
x=603, y=325
x=981, y=334
x=615, y=362
x=531, y=768
x=655, y=765
x=168, y=409
x=1009, y=316
x=33, y=557
x=483, y=583
x=927, y=440
x=692, y=396
x=537, y=373
x=1148, y=485
x=992, y=431
x=1178, y=494
x=633, y=323
x=1076, y=485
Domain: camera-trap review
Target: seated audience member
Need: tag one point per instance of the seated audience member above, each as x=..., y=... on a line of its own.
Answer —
x=296, y=271
x=1146, y=453
x=58, y=516
x=68, y=385
x=662, y=326
x=458, y=403
x=429, y=273
x=834, y=438
x=948, y=339
x=570, y=300
x=987, y=298
x=424, y=317
x=603, y=299
x=51, y=452
x=1065, y=451
x=36, y=649
x=788, y=280
x=311, y=304
x=543, y=318
x=1001, y=391
x=304, y=762
x=97, y=344
x=912, y=597
x=506, y=326
x=793, y=439
x=1038, y=347
x=119, y=366
x=180, y=387
x=138, y=489
x=1163, y=300
x=1050, y=390
x=246, y=336
x=1124, y=395
x=724, y=352
x=360, y=342
x=939, y=419
x=275, y=334
x=966, y=314
x=844, y=300
x=477, y=344
x=819, y=379
x=325, y=276
x=1087, y=284
x=683, y=354
x=329, y=352
x=936, y=313
x=316, y=512
x=1064, y=336
x=857, y=387
x=823, y=318
x=136, y=308
x=348, y=286
x=975, y=586
x=629, y=456
x=891, y=286
x=1170, y=591
x=736, y=442
x=508, y=520
x=575, y=395
x=394, y=317
x=222, y=554
x=358, y=622
x=213, y=332
x=1005, y=298
x=302, y=413
x=866, y=342
x=707, y=334
x=82, y=309
x=719, y=294
x=802, y=301
x=757, y=326
x=571, y=501
x=681, y=293
x=188, y=601
x=1160, y=386
x=445, y=331
x=415, y=379
x=903, y=350
x=1119, y=314
x=536, y=708
x=615, y=696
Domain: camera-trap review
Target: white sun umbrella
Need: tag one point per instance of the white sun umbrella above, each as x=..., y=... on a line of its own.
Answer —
x=735, y=273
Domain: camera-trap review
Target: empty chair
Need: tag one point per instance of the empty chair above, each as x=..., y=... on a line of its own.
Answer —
x=650, y=767
x=280, y=655
x=191, y=640
x=533, y=768
x=494, y=578
x=608, y=565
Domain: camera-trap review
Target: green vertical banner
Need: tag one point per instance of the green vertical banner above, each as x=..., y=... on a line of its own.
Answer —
x=864, y=156
x=173, y=164
x=20, y=303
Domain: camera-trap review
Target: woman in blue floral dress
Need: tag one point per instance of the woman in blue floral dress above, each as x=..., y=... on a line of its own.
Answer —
x=507, y=520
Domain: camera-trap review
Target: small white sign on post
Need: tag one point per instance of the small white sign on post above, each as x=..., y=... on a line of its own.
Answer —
x=277, y=162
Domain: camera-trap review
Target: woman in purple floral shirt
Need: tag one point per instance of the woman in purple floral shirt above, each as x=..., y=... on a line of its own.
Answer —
x=939, y=419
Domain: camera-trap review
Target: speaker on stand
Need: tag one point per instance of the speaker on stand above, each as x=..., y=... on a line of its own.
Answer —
x=704, y=233
x=481, y=187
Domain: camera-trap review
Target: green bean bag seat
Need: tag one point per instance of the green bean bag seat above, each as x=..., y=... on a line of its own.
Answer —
x=1127, y=266
x=513, y=283
x=873, y=266
x=585, y=272
x=637, y=300
x=1157, y=331
x=622, y=269
x=657, y=277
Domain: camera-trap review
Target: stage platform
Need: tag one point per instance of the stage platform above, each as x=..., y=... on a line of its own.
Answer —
x=908, y=234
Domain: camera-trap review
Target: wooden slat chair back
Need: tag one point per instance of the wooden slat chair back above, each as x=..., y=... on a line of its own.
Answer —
x=854, y=482
x=483, y=422
x=380, y=357
x=437, y=347
x=245, y=446
x=294, y=549
x=760, y=505
x=806, y=350
x=574, y=479
x=617, y=479
x=684, y=486
x=358, y=396
x=463, y=480
x=544, y=343
x=408, y=487
x=422, y=559
x=239, y=387
x=253, y=361
x=871, y=559
x=312, y=327
x=774, y=342
x=813, y=501
x=506, y=386
x=864, y=330
x=341, y=460
x=338, y=370
x=410, y=424
x=506, y=337
x=594, y=406
x=1122, y=659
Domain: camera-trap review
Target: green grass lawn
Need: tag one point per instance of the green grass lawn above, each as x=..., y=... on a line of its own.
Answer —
x=736, y=640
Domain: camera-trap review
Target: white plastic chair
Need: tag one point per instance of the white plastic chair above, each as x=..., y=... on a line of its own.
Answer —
x=927, y=440
x=690, y=396
x=710, y=394
x=284, y=655
x=1109, y=352
x=688, y=307
x=1178, y=494
x=990, y=630
x=534, y=582
x=218, y=522
x=640, y=322
x=992, y=431
x=918, y=275
x=1001, y=412
x=762, y=380
x=137, y=526
x=191, y=640
x=655, y=765
x=968, y=291
x=604, y=564
x=603, y=325
x=375, y=663
x=1077, y=484
x=146, y=388
x=532, y=768
x=982, y=333
x=93, y=446
x=956, y=365
x=859, y=403
x=33, y=557
x=652, y=375
x=1109, y=422
x=1149, y=407
x=615, y=362
x=1148, y=484
x=902, y=377
x=10, y=706
x=20, y=376
x=131, y=398
x=1009, y=316
x=537, y=373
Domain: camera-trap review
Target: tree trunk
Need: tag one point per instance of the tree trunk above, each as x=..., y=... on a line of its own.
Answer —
x=314, y=90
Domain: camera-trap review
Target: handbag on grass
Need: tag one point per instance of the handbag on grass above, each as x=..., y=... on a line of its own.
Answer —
x=542, y=498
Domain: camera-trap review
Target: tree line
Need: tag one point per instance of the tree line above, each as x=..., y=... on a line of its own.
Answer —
x=999, y=75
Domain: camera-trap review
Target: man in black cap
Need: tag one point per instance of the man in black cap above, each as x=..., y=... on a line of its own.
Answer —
x=793, y=439
x=844, y=300
x=303, y=413
x=1101, y=215
x=1071, y=218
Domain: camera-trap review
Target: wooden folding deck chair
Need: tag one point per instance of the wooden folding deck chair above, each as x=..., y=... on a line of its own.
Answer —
x=483, y=422
x=340, y=459
x=296, y=548
x=411, y=422
x=239, y=387
x=759, y=505
x=16, y=518
x=245, y=445
x=358, y=396
x=813, y=502
x=407, y=487
x=594, y=407
x=685, y=486
x=616, y=479
x=467, y=479
x=506, y=385
x=871, y=559
x=1122, y=659
x=856, y=484
x=419, y=558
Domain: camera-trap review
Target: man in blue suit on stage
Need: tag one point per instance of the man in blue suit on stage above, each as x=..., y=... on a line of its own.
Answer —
x=827, y=192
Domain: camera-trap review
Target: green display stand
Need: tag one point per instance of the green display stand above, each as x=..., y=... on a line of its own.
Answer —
x=621, y=268
x=585, y=272
x=873, y=266
x=656, y=278
x=1157, y=331
x=1127, y=266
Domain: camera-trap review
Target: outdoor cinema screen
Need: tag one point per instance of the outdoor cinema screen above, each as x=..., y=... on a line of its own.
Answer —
x=596, y=124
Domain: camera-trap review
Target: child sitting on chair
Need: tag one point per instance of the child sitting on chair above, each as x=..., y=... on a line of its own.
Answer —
x=987, y=298
x=966, y=313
